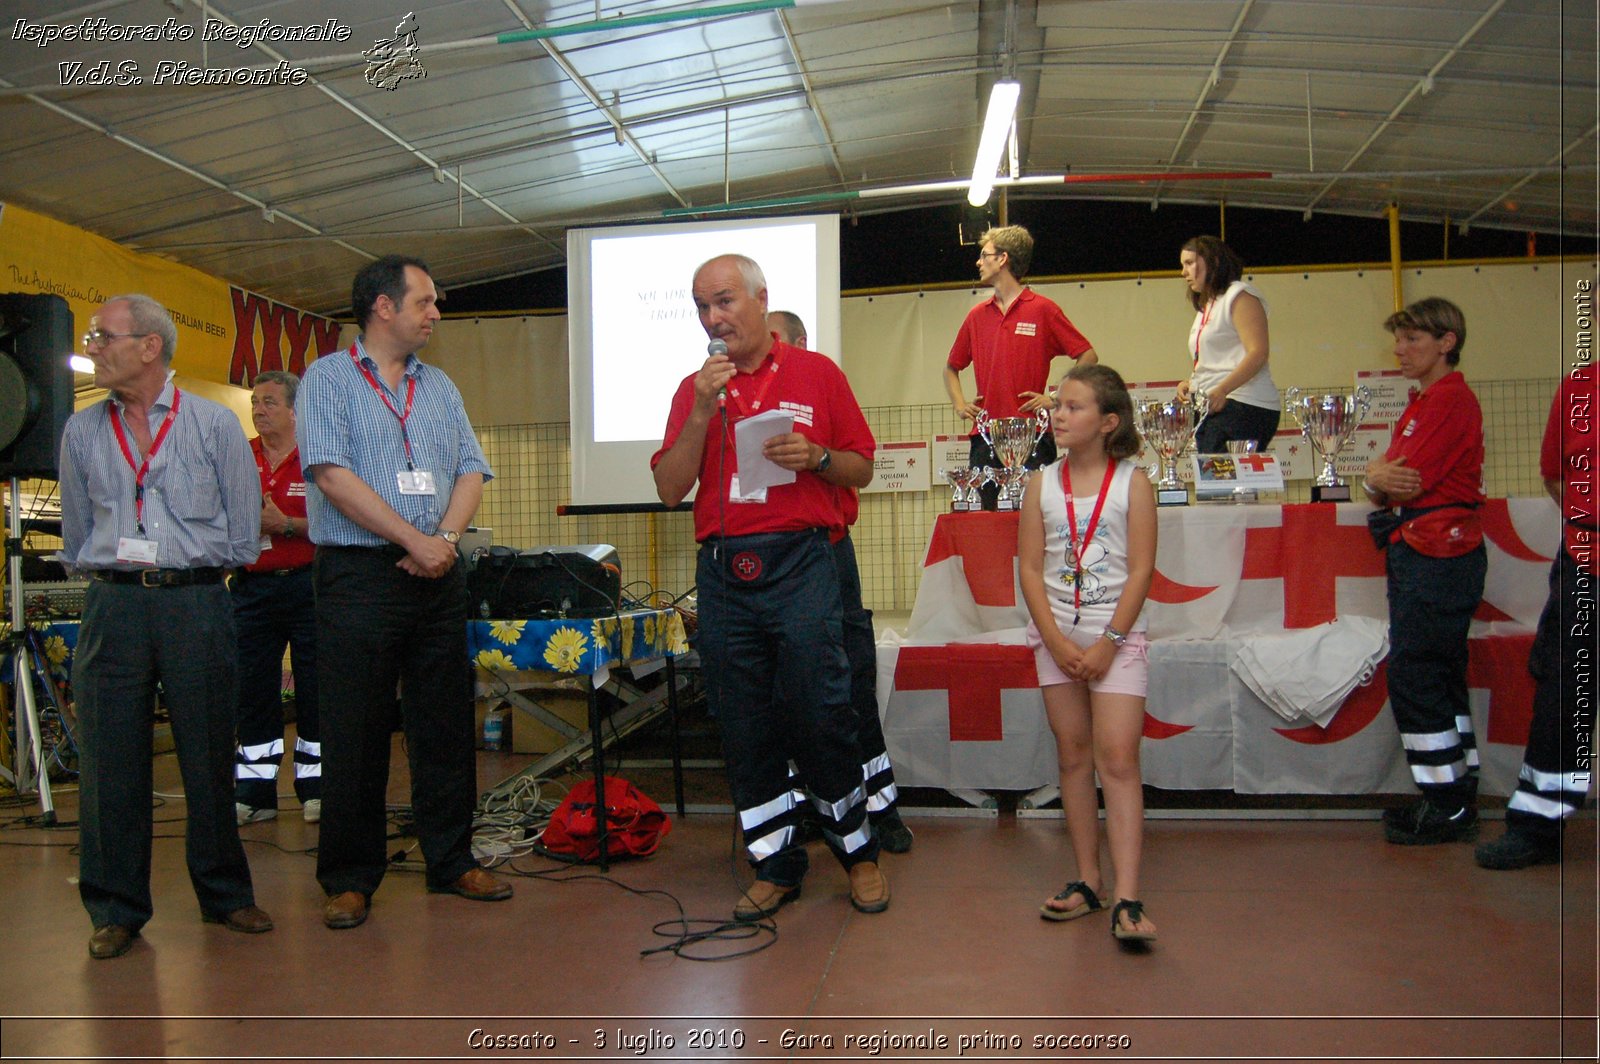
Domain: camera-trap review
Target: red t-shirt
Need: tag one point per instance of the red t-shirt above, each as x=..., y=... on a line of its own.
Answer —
x=287, y=486
x=825, y=412
x=1011, y=352
x=1441, y=436
x=1569, y=455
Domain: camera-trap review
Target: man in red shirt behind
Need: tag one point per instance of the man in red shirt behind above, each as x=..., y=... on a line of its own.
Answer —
x=272, y=608
x=1554, y=781
x=1010, y=341
x=777, y=678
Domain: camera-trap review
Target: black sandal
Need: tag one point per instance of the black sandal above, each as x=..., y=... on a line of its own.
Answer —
x=1092, y=903
x=1135, y=911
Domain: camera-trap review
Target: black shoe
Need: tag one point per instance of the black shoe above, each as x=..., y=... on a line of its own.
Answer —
x=1423, y=823
x=1518, y=849
x=893, y=835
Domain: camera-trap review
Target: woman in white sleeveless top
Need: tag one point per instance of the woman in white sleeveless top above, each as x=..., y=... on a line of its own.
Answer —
x=1086, y=548
x=1227, y=350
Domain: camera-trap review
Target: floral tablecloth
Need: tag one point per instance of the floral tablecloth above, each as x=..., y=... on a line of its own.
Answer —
x=577, y=646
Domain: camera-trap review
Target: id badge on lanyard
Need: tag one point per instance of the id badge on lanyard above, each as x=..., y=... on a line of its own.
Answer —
x=410, y=480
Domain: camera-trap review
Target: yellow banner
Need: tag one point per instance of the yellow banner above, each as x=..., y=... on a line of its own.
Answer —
x=225, y=334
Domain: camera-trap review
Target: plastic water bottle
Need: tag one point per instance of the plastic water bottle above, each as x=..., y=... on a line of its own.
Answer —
x=493, y=728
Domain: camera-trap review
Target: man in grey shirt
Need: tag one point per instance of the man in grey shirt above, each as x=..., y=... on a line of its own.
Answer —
x=158, y=499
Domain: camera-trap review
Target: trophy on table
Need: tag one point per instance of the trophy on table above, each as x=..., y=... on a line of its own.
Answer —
x=1168, y=427
x=1328, y=421
x=1012, y=439
x=964, y=488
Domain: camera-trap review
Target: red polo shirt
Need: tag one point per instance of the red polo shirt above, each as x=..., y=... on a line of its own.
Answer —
x=287, y=486
x=1571, y=440
x=1011, y=351
x=1441, y=436
x=825, y=411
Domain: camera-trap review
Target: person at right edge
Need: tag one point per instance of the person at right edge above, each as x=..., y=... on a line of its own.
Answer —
x=861, y=647
x=1428, y=486
x=1554, y=780
x=777, y=678
x=1228, y=346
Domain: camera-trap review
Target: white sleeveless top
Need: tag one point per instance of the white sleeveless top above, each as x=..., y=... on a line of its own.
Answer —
x=1105, y=560
x=1221, y=351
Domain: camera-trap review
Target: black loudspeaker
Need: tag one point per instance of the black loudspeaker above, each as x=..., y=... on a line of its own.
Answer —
x=546, y=582
x=35, y=383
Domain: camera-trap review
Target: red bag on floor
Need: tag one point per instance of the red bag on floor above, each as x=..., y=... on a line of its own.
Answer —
x=635, y=824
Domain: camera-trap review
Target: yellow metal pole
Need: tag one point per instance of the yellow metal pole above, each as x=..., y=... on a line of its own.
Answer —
x=1393, y=211
x=1222, y=220
x=1005, y=207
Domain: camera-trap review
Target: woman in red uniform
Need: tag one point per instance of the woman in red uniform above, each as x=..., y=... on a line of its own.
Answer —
x=1429, y=486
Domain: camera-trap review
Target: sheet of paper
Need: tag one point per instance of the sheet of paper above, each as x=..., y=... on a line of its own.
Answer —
x=755, y=470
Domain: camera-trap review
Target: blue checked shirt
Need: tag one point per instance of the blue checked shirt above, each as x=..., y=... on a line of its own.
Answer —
x=341, y=421
x=202, y=496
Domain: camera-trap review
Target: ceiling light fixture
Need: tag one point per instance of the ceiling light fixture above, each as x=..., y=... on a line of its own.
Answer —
x=996, y=130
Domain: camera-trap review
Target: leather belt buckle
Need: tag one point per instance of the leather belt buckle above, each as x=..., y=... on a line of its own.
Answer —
x=146, y=581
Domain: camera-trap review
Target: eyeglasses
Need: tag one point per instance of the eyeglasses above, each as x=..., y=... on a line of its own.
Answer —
x=990, y=254
x=96, y=337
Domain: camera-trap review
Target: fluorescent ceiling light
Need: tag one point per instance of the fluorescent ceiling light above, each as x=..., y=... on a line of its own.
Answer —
x=996, y=129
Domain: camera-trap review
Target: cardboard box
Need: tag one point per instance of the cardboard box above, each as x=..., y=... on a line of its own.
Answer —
x=533, y=736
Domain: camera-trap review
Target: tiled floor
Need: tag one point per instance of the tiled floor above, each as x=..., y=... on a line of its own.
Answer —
x=1294, y=939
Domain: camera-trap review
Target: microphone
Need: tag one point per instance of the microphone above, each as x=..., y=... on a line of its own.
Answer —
x=719, y=347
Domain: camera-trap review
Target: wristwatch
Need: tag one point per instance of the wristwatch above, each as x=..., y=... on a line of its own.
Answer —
x=1117, y=638
x=451, y=538
x=824, y=462
x=288, y=526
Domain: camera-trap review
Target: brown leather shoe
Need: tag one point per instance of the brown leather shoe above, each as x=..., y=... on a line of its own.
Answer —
x=249, y=920
x=112, y=940
x=345, y=910
x=763, y=899
x=479, y=885
x=869, y=890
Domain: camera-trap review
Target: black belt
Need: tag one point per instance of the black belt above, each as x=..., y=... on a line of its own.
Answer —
x=270, y=572
x=159, y=577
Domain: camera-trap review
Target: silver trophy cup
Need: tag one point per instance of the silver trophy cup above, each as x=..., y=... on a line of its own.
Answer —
x=1012, y=439
x=1168, y=427
x=1328, y=421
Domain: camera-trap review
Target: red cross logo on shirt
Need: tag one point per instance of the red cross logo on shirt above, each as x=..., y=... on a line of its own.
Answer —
x=1308, y=552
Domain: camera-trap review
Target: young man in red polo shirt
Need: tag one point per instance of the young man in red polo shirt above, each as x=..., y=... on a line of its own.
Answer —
x=1010, y=340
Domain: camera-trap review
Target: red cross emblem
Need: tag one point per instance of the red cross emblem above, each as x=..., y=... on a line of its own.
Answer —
x=746, y=565
x=973, y=675
x=1308, y=552
x=1256, y=462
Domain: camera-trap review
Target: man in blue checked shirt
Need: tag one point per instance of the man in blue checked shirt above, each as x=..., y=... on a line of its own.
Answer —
x=395, y=474
x=158, y=500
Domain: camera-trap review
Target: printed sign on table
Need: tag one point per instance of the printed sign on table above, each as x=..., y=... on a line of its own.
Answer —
x=1369, y=442
x=950, y=452
x=1295, y=457
x=900, y=467
x=1391, y=393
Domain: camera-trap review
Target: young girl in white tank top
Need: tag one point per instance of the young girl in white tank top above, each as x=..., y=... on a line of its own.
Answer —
x=1086, y=548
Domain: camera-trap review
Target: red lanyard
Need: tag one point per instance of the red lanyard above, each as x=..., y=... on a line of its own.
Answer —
x=761, y=393
x=1074, y=552
x=142, y=469
x=1205, y=317
x=411, y=395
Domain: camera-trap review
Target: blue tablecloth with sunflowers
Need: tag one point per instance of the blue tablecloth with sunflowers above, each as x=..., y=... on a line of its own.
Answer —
x=586, y=646
x=60, y=639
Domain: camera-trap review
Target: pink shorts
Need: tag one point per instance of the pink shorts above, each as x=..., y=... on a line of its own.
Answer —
x=1129, y=673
